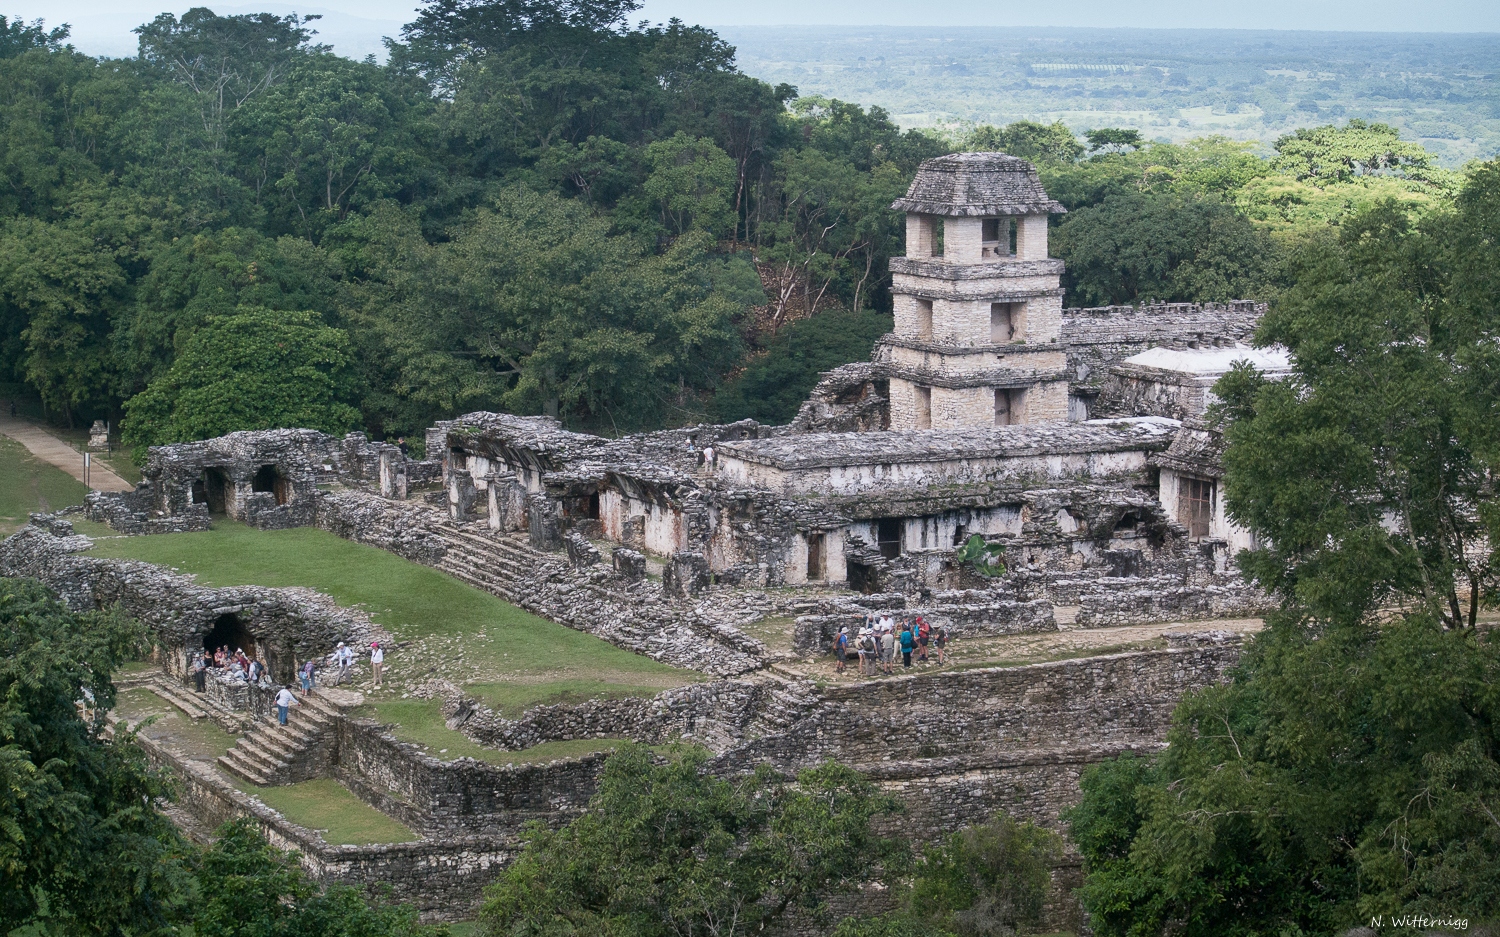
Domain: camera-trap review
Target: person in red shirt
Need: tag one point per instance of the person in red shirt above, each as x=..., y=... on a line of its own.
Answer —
x=924, y=634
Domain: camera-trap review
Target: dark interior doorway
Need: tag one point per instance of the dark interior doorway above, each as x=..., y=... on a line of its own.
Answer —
x=861, y=578
x=888, y=536
x=215, y=488
x=594, y=505
x=269, y=478
x=229, y=630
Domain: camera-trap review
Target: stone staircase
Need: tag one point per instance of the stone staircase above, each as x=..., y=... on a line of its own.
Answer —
x=285, y=754
x=495, y=563
x=179, y=696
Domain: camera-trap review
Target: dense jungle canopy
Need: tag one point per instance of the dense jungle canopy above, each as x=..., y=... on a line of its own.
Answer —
x=536, y=206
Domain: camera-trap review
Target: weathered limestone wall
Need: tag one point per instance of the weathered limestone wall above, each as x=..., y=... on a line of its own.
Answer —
x=958, y=746
x=444, y=878
x=288, y=625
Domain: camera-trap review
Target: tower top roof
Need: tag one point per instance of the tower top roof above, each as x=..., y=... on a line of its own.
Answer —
x=966, y=185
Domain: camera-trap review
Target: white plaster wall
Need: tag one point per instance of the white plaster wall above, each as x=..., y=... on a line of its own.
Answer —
x=613, y=511
x=1220, y=527
x=853, y=479
x=666, y=532
x=935, y=532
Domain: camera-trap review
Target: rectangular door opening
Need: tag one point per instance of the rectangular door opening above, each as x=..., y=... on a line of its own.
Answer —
x=924, y=406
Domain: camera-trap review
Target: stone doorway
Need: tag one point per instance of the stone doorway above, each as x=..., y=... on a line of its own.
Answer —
x=269, y=478
x=212, y=489
x=231, y=631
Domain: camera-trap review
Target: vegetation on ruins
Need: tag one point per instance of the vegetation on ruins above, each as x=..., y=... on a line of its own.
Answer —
x=668, y=848
x=1352, y=767
x=83, y=848
x=542, y=209
x=987, y=880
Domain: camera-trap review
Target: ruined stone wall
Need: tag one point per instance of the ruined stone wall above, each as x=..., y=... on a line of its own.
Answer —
x=465, y=796
x=959, y=745
x=443, y=878
x=1100, y=337
x=289, y=625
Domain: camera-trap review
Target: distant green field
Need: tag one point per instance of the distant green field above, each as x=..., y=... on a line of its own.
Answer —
x=28, y=484
x=504, y=655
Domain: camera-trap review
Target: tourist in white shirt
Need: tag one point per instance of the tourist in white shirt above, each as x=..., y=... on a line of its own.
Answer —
x=284, y=701
x=377, y=661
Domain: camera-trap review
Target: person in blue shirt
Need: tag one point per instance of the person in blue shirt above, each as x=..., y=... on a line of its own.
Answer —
x=908, y=643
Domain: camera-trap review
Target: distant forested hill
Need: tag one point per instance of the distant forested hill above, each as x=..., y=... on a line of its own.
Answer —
x=1172, y=84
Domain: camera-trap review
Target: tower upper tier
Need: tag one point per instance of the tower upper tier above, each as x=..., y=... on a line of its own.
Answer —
x=977, y=185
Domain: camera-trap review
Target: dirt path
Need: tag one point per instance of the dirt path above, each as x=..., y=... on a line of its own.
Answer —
x=49, y=448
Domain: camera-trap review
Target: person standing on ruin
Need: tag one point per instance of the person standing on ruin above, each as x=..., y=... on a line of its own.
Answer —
x=841, y=649
x=940, y=641
x=200, y=672
x=284, y=702
x=308, y=675
x=344, y=658
x=887, y=649
x=377, y=661
x=908, y=643
x=924, y=637
x=708, y=456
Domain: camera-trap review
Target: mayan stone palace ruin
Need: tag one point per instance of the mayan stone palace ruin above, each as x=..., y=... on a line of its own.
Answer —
x=1072, y=442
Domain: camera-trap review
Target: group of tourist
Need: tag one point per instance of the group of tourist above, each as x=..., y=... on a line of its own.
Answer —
x=880, y=638
x=234, y=666
x=238, y=667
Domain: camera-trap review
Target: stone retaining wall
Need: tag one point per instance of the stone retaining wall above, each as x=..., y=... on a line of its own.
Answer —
x=444, y=878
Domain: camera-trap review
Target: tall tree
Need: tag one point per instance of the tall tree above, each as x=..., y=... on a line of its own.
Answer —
x=82, y=848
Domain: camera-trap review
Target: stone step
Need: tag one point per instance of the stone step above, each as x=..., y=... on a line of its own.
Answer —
x=246, y=753
x=179, y=699
x=243, y=770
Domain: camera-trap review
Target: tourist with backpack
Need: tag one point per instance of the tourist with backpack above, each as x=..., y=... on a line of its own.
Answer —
x=308, y=676
x=940, y=641
x=924, y=636
x=840, y=649
x=908, y=643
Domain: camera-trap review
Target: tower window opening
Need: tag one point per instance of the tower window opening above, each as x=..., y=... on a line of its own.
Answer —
x=924, y=406
x=924, y=319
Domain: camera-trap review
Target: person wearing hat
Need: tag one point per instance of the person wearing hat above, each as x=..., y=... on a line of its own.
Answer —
x=840, y=649
x=377, y=660
x=284, y=700
x=344, y=657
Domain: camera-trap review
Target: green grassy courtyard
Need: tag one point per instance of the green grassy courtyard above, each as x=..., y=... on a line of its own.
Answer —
x=28, y=484
x=444, y=629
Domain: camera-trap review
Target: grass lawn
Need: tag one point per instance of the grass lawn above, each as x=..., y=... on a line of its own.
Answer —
x=328, y=807
x=28, y=484
x=421, y=721
x=444, y=628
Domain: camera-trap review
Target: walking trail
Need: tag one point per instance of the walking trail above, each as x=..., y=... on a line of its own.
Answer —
x=49, y=448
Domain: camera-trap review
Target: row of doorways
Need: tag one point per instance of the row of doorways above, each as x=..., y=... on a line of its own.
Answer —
x=213, y=486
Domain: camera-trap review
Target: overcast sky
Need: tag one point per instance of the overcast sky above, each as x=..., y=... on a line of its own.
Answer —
x=354, y=27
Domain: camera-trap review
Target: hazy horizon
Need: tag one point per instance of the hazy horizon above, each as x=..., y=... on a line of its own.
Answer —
x=356, y=29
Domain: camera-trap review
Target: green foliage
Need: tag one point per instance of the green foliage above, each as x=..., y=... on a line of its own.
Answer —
x=692, y=184
x=1136, y=246
x=667, y=848
x=1366, y=474
x=1040, y=143
x=1114, y=140
x=986, y=559
x=1338, y=154
x=774, y=385
x=987, y=880
x=1341, y=775
x=248, y=888
x=82, y=850
x=255, y=368
x=17, y=37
